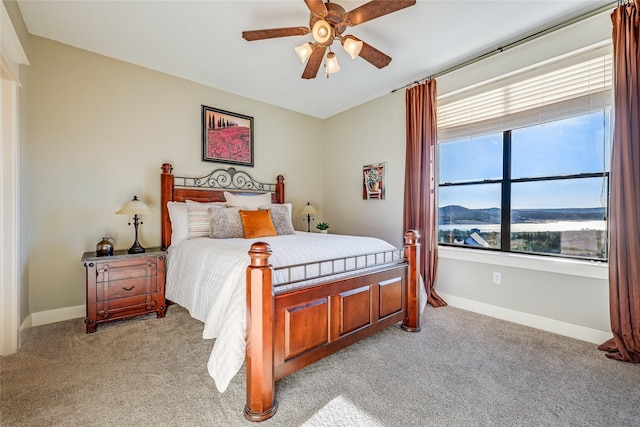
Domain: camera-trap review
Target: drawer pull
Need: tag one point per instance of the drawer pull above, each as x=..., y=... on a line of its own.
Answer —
x=128, y=289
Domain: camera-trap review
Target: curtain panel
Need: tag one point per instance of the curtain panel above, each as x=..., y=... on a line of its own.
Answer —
x=624, y=202
x=420, y=203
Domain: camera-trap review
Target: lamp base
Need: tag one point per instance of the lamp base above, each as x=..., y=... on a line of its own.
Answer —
x=136, y=249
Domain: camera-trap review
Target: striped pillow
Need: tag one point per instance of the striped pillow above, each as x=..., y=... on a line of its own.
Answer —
x=198, y=215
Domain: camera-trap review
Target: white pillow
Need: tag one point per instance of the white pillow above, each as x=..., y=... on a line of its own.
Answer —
x=179, y=221
x=199, y=221
x=249, y=202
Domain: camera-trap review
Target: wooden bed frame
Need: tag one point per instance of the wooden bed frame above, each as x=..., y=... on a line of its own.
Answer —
x=342, y=311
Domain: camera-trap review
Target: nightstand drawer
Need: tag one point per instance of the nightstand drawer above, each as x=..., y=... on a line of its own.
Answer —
x=115, y=289
x=125, y=306
x=118, y=270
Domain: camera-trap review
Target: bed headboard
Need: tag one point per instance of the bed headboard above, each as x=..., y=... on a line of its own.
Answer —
x=209, y=188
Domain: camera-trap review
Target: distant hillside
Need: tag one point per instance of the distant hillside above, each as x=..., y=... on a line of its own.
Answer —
x=462, y=215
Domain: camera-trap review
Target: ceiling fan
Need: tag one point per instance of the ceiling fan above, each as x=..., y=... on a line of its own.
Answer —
x=327, y=23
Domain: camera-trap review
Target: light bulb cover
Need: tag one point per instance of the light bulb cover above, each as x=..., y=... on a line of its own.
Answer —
x=352, y=46
x=304, y=51
x=322, y=31
x=331, y=64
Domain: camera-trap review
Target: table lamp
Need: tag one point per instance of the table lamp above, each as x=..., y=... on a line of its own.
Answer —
x=308, y=210
x=135, y=207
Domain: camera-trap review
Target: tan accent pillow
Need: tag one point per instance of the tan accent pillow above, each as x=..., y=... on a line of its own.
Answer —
x=257, y=224
x=281, y=218
x=225, y=223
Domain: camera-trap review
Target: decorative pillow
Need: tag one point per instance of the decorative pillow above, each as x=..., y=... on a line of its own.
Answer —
x=198, y=214
x=257, y=224
x=249, y=202
x=179, y=221
x=225, y=223
x=281, y=218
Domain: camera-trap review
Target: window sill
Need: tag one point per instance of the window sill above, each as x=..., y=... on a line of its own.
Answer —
x=591, y=269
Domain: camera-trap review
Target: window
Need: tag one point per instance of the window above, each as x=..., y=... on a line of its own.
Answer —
x=539, y=186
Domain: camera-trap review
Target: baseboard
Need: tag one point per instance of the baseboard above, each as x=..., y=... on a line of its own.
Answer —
x=58, y=315
x=583, y=333
x=25, y=327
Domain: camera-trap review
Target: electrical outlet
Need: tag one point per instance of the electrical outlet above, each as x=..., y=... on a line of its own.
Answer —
x=497, y=278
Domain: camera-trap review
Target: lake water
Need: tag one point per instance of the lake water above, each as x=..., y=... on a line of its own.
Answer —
x=532, y=227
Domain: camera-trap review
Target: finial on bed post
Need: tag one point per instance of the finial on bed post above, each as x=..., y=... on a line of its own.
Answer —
x=167, y=168
x=411, y=251
x=261, y=404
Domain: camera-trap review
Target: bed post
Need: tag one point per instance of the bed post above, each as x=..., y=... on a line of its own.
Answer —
x=166, y=195
x=261, y=403
x=280, y=189
x=411, y=248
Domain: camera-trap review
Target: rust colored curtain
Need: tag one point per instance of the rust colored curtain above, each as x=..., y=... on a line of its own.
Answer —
x=420, y=206
x=624, y=205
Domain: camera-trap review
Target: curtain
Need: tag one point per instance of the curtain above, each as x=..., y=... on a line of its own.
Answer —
x=420, y=205
x=624, y=205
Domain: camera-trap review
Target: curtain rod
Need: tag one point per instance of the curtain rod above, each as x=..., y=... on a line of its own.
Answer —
x=518, y=42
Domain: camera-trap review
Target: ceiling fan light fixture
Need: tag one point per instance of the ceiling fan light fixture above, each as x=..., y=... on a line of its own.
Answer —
x=321, y=31
x=353, y=47
x=304, y=51
x=331, y=64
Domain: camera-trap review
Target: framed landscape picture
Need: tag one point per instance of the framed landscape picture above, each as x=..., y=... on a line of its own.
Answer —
x=226, y=137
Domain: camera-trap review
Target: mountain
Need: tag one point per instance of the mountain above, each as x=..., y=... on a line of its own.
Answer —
x=461, y=215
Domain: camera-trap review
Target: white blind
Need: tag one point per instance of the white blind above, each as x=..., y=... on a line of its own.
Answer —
x=558, y=89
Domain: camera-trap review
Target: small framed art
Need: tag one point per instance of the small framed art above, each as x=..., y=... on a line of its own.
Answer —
x=374, y=181
x=226, y=137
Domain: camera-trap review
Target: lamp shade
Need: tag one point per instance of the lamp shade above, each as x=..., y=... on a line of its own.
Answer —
x=352, y=46
x=308, y=209
x=331, y=63
x=135, y=207
x=304, y=51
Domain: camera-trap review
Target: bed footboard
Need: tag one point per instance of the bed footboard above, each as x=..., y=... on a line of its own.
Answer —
x=291, y=330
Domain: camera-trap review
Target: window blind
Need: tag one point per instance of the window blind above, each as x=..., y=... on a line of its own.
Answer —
x=558, y=89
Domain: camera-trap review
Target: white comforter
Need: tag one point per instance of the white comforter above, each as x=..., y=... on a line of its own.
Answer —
x=207, y=276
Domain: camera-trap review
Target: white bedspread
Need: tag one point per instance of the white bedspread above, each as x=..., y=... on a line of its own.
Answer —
x=207, y=276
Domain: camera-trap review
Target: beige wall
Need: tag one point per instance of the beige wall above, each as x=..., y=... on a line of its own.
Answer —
x=371, y=133
x=99, y=130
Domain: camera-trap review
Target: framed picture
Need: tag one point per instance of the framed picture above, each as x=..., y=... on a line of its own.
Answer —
x=226, y=137
x=374, y=181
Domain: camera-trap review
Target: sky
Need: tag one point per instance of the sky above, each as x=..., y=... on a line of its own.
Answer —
x=584, y=147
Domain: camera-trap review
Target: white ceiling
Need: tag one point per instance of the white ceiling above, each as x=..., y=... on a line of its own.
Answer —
x=201, y=41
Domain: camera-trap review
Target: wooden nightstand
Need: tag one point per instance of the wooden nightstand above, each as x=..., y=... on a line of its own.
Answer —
x=124, y=285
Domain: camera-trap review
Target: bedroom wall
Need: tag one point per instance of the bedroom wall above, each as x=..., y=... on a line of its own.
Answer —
x=376, y=133
x=563, y=296
x=99, y=130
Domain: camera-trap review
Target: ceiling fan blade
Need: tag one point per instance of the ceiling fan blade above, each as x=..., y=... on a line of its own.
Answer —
x=375, y=9
x=274, y=32
x=373, y=55
x=317, y=7
x=313, y=64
